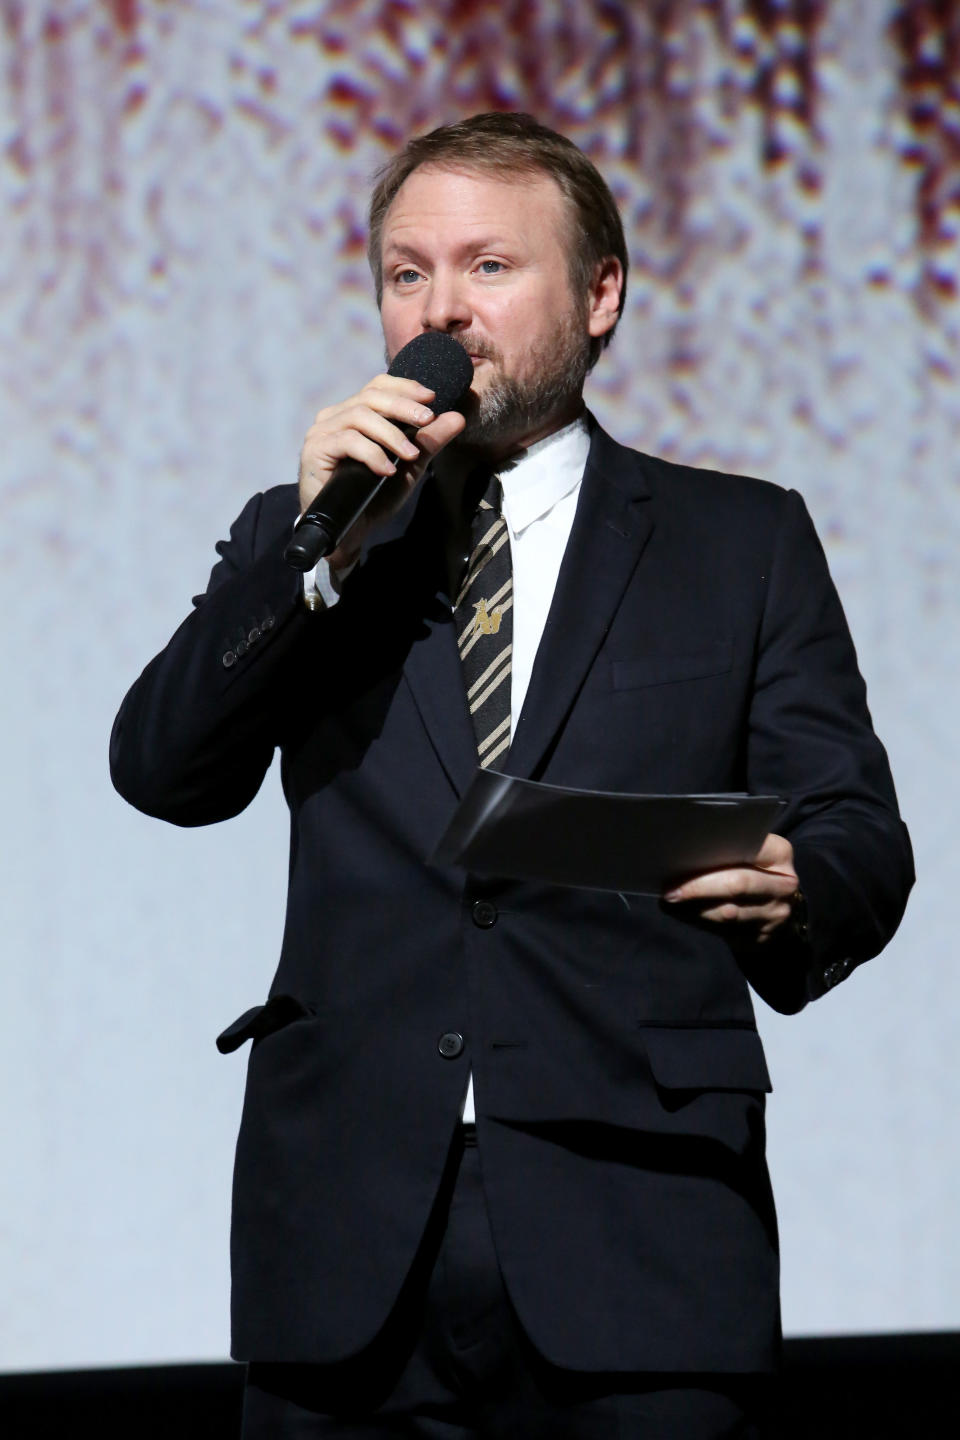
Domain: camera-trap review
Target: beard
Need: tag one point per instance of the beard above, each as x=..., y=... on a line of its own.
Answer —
x=511, y=406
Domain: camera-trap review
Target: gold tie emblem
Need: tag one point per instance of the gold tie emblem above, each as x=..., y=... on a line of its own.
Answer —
x=486, y=622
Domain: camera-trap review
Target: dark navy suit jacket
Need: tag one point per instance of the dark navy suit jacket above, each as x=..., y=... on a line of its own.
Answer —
x=695, y=644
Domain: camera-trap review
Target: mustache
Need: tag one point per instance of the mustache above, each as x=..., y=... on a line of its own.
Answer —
x=477, y=345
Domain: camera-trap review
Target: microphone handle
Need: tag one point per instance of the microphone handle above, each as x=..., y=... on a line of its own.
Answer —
x=341, y=502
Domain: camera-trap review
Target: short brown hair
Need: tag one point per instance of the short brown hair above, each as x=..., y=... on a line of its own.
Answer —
x=509, y=144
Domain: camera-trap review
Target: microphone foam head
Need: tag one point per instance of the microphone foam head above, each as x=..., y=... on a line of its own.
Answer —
x=437, y=361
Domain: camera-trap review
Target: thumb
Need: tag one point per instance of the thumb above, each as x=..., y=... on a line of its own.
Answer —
x=438, y=434
x=776, y=853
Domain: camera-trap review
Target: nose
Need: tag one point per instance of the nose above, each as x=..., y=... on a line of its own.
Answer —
x=445, y=305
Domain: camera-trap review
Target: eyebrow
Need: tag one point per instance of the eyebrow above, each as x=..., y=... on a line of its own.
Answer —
x=403, y=251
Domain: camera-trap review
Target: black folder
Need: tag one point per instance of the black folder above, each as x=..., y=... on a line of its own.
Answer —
x=599, y=840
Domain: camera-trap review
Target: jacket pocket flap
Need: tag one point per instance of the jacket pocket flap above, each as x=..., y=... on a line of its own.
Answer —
x=260, y=1021
x=715, y=659
x=706, y=1058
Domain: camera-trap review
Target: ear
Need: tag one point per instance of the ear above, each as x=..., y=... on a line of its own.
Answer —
x=603, y=301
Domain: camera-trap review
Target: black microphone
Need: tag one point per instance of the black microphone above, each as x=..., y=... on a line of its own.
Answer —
x=433, y=359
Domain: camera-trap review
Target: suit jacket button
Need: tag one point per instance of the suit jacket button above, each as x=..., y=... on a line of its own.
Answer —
x=450, y=1045
x=484, y=913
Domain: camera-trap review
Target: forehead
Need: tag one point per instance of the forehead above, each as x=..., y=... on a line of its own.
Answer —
x=440, y=201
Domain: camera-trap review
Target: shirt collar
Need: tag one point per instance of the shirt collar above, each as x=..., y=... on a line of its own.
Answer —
x=545, y=474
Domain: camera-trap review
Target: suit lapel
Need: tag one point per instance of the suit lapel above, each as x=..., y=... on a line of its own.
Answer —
x=434, y=676
x=432, y=668
x=611, y=527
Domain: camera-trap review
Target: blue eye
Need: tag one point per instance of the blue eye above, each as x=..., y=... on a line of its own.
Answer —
x=486, y=264
x=407, y=277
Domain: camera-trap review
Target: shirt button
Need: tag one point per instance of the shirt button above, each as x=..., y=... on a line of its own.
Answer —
x=484, y=913
x=450, y=1045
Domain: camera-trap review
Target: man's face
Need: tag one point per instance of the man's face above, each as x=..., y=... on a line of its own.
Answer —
x=485, y=259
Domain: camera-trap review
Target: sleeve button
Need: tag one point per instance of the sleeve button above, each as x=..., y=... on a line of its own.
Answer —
x=229, y=659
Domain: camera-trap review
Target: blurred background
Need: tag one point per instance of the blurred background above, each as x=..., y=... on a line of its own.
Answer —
x=182, y=285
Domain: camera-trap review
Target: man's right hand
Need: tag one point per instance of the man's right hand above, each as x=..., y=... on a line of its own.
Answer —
x=365, y=428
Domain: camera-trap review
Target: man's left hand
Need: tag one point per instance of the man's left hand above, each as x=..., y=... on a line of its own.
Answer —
x=750, y=902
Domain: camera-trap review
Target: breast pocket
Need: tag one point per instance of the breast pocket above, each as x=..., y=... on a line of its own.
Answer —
x=713, y=659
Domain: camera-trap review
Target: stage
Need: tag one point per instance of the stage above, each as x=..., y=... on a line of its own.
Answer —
x=857, y=1387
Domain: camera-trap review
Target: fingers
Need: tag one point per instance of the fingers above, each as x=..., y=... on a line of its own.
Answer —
x=771, y=876
x=736, y=886
x=758, y=897
x=743, y=919
x=432, y=438
x=406, y=401
x=775, y=853
x=366, y=428
x=768, y=914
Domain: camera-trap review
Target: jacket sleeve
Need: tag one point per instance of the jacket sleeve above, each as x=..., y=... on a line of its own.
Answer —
x=811, y=739
x=195, y=735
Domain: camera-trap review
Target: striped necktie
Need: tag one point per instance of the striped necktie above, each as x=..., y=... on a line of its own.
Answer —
x=484, y=619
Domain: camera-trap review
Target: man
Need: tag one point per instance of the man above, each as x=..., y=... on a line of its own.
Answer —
x=599, y=1256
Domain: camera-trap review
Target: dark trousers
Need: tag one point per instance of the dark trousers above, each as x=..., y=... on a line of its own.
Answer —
x=453, y=1362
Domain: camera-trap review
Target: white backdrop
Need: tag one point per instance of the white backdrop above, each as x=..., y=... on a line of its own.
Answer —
x=181, y=286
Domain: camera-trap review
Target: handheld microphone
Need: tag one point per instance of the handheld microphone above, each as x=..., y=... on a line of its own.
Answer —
x=433, y=359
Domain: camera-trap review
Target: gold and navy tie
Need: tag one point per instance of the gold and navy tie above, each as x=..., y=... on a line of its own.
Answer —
x=484, y=618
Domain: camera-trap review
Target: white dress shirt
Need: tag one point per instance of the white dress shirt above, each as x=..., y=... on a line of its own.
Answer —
x=540, y=494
